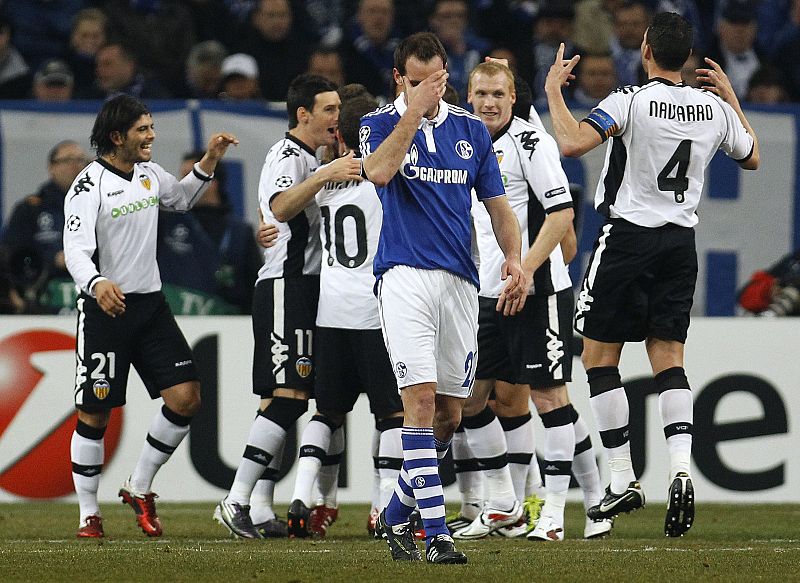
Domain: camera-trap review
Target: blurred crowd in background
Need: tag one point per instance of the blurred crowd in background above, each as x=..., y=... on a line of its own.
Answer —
x=251, y=49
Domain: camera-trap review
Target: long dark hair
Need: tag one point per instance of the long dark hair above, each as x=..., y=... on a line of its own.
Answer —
x=118, y=114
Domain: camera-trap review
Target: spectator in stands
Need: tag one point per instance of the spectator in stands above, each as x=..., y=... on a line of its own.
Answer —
x=33, y=235
x=280, y=52
x=767, y=86
x=41, y=27
x=159, y=33
x=553, y=26
x=369, y=48
x=53, y=82
x=786, y=54
x=89, y=34
x=204, y=70
x=209, y=249
x=327, y=63
x=630, y=23
x=594, y=24
x=688, y=9
x=507, y=56
x=10, y=300
x=240, y=78
x=775, y=292
x=596, y=79
x=326, y=18
x=688, y=71
x=15, y=75
x=118, y=72
x=734, y=46
x=450, y=22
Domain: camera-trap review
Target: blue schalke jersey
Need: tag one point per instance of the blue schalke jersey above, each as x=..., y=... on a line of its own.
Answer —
x=426, y=206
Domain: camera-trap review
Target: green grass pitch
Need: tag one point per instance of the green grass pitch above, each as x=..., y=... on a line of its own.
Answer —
x=727, y=543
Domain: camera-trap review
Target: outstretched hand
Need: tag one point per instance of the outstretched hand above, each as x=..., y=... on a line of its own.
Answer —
x=218, y=145
x=560, y=73
x=716, y=81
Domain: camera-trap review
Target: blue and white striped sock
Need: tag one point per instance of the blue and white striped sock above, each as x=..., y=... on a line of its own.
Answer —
x=421, y=464
x=402, y=503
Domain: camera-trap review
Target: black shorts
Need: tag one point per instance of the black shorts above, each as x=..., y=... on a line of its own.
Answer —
x=534, y=347
x=284, y=316
x=639, y=284
x=351, y=362
x=145, y=336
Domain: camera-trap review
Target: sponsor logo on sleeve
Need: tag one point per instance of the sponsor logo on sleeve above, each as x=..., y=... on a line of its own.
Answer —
x=555, y=192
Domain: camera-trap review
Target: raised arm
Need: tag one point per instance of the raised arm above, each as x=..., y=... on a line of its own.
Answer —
x=382, y=164
x=719, y=83
x=574, y=138
x=288, y=203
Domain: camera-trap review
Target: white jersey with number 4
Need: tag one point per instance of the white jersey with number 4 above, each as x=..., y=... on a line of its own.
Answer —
x=663, y=137
x=350, y=225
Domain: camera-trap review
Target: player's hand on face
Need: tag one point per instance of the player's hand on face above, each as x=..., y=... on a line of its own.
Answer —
x=218, y=144
x=426, y=95
x=267, y=233
x=560, y=73
x=717, y=81
x=109, y=297
x=348, y=167
x=512, y=298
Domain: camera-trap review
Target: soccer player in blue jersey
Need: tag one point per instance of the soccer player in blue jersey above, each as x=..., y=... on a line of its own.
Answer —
x=425, y=157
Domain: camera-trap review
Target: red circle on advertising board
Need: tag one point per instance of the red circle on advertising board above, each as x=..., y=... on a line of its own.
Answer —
x=43, y=468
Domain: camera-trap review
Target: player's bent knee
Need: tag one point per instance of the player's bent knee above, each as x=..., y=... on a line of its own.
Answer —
x=284, y=411
x=183, y=399
x=550, y=398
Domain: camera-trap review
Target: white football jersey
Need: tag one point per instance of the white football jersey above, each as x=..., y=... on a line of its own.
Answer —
x=111, y=222
x=535, y=185
x=350, y=227
x=663, y=137
x=296, y=251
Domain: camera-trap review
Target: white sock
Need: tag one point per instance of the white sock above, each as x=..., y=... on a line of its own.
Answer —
x=584, y=464
x=390, y=456
x=488, y=444
x=316, y=441
x=468, y=477
x=610, y=407
x=376, y=470
x=86, y=455
x=328, y=479
x=263, y=450
x=559, y=449
x=520, y=443
x=676, y=408
x=166, y=432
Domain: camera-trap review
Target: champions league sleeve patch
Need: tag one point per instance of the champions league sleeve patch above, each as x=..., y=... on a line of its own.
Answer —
x=602, y=122
x=73, y=223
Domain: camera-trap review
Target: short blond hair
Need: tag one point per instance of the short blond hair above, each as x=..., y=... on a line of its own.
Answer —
x=490, y=69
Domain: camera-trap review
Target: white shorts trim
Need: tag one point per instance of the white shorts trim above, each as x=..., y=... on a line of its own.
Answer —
x=429, y=320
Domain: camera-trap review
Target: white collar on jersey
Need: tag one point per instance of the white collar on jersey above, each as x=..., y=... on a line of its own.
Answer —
x=444, y=109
